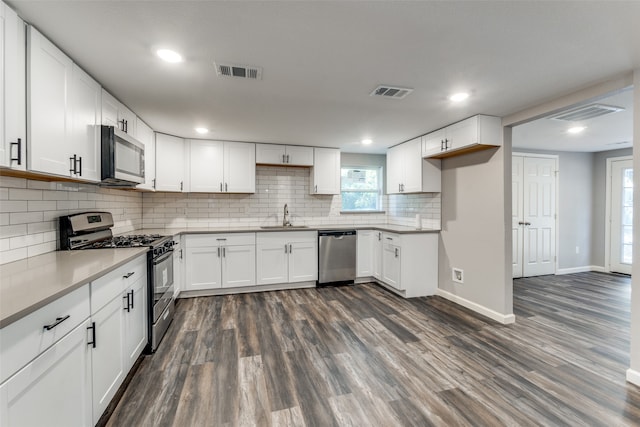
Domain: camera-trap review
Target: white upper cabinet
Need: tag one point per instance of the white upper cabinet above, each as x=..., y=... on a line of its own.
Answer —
x=85, y=123
x=288, y=155
x=473, y=134
x=170, y=164
x=116, y=114
x=13, y=127
x=326, y=171
x=145, y=135
x=62, y=117
x=408, y=172
x=221, y=167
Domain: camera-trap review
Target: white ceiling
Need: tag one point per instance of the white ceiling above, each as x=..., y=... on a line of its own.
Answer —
x=607, y=132
x=321, y=60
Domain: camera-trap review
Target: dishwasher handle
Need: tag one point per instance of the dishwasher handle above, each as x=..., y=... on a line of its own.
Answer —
x=338, y=234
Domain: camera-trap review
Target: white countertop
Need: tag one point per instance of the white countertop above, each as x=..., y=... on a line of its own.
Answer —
x=29, y=284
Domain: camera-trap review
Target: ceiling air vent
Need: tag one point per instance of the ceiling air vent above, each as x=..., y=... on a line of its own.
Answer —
x=391, y=92
x=586, y=112
x=242, y=71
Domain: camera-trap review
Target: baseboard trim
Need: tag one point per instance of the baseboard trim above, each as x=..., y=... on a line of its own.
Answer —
x=247, y=289
x=633, y=377
x=505, y=319
x=582, y=269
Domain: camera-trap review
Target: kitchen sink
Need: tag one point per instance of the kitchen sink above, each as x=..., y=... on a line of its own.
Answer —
x=282, y=227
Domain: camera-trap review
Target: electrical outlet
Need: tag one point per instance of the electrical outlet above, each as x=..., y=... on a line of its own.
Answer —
x=457, y=275
x=577, y=249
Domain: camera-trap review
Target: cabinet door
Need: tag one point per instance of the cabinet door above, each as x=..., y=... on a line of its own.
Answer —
x=391, y=265
x=206, y=161
x=86, y=108
x=169, y=163
x=432, y=143
x=299, y=156
x=377, y=255
x=54, y=389
x=108, y=364
x=303, y=261
x=239, y=167
x=135, y=322
x=272, y=263
x=364, y=258
x=394, y=170
x=130, y=120
x=178, y=266
x=238, y=266
x=145, y=135
x=462, y=134
x=412, y=166
x=110, y=107
x=13, y=117
x=49, y=114
x=271, y=154
x=326, y=171
x=203, y=268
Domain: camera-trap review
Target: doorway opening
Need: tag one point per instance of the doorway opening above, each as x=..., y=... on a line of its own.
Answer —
x=619, y=215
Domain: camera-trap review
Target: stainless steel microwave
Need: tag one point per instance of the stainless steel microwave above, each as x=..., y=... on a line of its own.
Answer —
x=122, y=158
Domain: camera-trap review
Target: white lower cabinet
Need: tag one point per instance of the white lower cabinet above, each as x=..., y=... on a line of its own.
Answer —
x=54, y=389
x=135, y=321
x=286, y=257
x=219, y=261
x=406, y=262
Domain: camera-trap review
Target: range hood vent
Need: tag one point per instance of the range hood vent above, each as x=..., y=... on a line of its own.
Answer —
x=586, y=112
x=391, y=91
x=236, y=70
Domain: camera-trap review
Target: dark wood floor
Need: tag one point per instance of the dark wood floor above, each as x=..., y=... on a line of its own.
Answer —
x=361, y=356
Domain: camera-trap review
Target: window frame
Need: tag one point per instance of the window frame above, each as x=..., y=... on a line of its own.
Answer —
x=378, y=192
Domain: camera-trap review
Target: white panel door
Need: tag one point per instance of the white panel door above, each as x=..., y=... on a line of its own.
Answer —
x=203, y=268
x=272, y=263
x=517, y=216
x=206, y=161
x=539, y=210
x=239, y=167
x=391, y=265
x=86, y=110
x=621, y=231
x=49, y=117
x=169, y=163
x=303, y=261
x=238, y=266
x=107, y=355
x=110, y=107
x=145, y=135
x=135, y=322
x=54, y=389
x=394, y=170
x=365, y=250
x=412, y=166
x=271, y=154
x=299, y=156
x=326, y=171
x=377, y=255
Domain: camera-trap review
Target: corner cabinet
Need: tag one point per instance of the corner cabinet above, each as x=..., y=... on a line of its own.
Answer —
x=63, y=118
x=170, y=163
x=13, y=128
x=221, y=167
x=473, y=134
x=408, y=172
x=325, y=177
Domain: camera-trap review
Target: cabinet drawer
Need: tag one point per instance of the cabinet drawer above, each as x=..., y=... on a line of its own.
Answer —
x=113, y=283
x=213, y=240
x=23, y=340
x=391, y=238
x=287, y=237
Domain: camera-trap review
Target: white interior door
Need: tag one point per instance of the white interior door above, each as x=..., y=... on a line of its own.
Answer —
x=621, y=228
x=517, y=215
x=539, y=216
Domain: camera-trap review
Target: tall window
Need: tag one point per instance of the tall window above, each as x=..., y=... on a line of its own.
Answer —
x=361, y=188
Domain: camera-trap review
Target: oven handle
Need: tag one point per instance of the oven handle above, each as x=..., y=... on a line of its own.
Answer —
x=164, y=257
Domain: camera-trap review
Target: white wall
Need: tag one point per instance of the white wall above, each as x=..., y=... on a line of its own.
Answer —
x=475, y=200
x=633, y=374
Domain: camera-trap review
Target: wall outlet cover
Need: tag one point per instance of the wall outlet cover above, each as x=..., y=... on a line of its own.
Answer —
x=457, y=275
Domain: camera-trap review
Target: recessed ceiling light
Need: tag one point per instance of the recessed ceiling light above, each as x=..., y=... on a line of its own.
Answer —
x=576, y=129
x=457, y=97
x=366, y=141
x=169, y=55
x=202, y=130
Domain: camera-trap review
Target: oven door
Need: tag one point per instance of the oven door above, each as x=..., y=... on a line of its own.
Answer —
x=162, y=283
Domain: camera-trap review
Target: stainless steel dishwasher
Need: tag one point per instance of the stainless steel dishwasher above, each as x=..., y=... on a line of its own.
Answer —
x=336, y=257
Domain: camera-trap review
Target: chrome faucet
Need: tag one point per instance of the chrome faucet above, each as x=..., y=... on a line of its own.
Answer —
x=285, y=219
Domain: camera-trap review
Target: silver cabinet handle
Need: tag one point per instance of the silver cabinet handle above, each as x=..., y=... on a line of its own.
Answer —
x=218, y=252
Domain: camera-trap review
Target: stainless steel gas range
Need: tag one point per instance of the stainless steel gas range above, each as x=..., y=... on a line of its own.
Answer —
x=93, y=230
